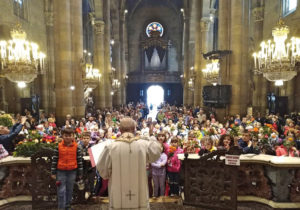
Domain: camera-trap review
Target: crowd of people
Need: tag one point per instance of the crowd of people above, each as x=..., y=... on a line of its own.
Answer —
x=178, y=129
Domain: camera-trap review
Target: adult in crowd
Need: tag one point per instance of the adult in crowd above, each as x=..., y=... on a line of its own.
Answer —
x=7, y=136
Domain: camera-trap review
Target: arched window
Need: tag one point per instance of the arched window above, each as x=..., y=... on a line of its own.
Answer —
x=288, y=6
x=154, y=26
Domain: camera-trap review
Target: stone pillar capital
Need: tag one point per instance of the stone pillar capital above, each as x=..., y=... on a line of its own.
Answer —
x=258, y=13
x=204, y=24
x=49, y=18
x=99, y=26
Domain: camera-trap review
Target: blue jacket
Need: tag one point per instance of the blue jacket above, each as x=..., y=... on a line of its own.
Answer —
x=243, y=145
x=7, y=139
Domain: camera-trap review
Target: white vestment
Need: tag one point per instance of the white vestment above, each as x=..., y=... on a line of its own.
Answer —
x=123, y=162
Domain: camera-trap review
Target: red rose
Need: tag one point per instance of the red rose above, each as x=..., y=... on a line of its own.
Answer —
x=58, y=183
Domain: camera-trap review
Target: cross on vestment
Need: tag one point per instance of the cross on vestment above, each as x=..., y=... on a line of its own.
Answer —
x=130, y=195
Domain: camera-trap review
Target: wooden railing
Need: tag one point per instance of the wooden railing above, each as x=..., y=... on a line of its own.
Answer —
x=208, y=182
x=270, y=180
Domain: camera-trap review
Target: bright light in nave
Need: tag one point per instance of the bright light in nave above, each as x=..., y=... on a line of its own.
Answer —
x=278, y=83
x=21, y=84
x=155, y=95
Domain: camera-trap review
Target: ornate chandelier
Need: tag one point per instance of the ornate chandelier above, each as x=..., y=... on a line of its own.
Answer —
x=277, y=60
x=92, y=76
x=211, y=72
x=20, y=59
x=191, y=84
x=115, y=85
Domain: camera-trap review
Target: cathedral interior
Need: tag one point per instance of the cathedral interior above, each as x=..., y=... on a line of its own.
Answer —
x=202, y=53
x=233, y=58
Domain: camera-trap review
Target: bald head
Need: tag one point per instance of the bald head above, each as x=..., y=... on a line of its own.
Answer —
x=127, y=125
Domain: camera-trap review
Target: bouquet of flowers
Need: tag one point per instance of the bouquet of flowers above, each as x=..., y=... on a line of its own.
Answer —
x=172, y=150
x=265, y=133
x=255, y=132
x=289, y=142
x=190, y=146
x=234, y=130
x=33, y=143
x=6, y=120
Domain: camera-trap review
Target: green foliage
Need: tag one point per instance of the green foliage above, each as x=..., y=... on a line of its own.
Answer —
x=33, y=143
x=6, y=120
x=234, y=130
x=27, y=149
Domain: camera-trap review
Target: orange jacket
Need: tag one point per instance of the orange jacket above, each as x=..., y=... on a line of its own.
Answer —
x=67, y=159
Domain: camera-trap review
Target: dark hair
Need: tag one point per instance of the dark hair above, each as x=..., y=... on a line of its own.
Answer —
x=175, y=139
x=86, y=133
x=67, y=131
x=221, y=141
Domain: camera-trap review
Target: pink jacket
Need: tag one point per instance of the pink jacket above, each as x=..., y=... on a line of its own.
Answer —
x=166, y=148
x=174, y=163
x=282, y=151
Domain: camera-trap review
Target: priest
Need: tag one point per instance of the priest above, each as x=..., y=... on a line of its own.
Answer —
x=123, y=162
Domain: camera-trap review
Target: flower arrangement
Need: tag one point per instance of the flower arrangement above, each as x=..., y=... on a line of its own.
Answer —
x=191, y=145
x=266, y=132
x=6, y=120
x=33, y=143
x=289, y=142
x=234, y=130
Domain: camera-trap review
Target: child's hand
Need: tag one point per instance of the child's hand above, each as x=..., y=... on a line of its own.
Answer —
x=53, y=176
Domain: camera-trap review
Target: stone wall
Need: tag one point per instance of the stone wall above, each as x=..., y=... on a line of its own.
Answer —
x=137, y=23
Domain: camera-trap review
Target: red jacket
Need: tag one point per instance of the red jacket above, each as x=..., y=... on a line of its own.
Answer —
x=67, y=159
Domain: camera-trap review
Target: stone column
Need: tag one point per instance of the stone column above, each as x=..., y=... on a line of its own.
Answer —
x=259, y=96
x=107, y=65
x=3, y=102
x=205, y=28
x=124, y=55
x=63, y=59
x=223, y=44
x=290, y=92
x=238, y=60
x=195, y=18
x=297, y=94
x=98, y=25
x=99, y=60
x=77, y=55
x=223, y=38
x=116, y=53
x=186, y=74
x=48, y=98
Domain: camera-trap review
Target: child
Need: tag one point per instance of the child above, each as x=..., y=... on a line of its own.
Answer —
x=85, y=142
x=95, y=135
x=209, y=144
x=159, y=174
x=67, y=160
x=161, y=137
x=174, y=167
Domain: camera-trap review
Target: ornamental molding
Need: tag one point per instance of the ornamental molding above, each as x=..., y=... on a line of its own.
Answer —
x=205, y=24
x=258, y=14
x=49, y=18
x=99, y=26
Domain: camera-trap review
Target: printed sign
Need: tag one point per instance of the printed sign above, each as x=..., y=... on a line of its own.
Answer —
x=233, y=160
